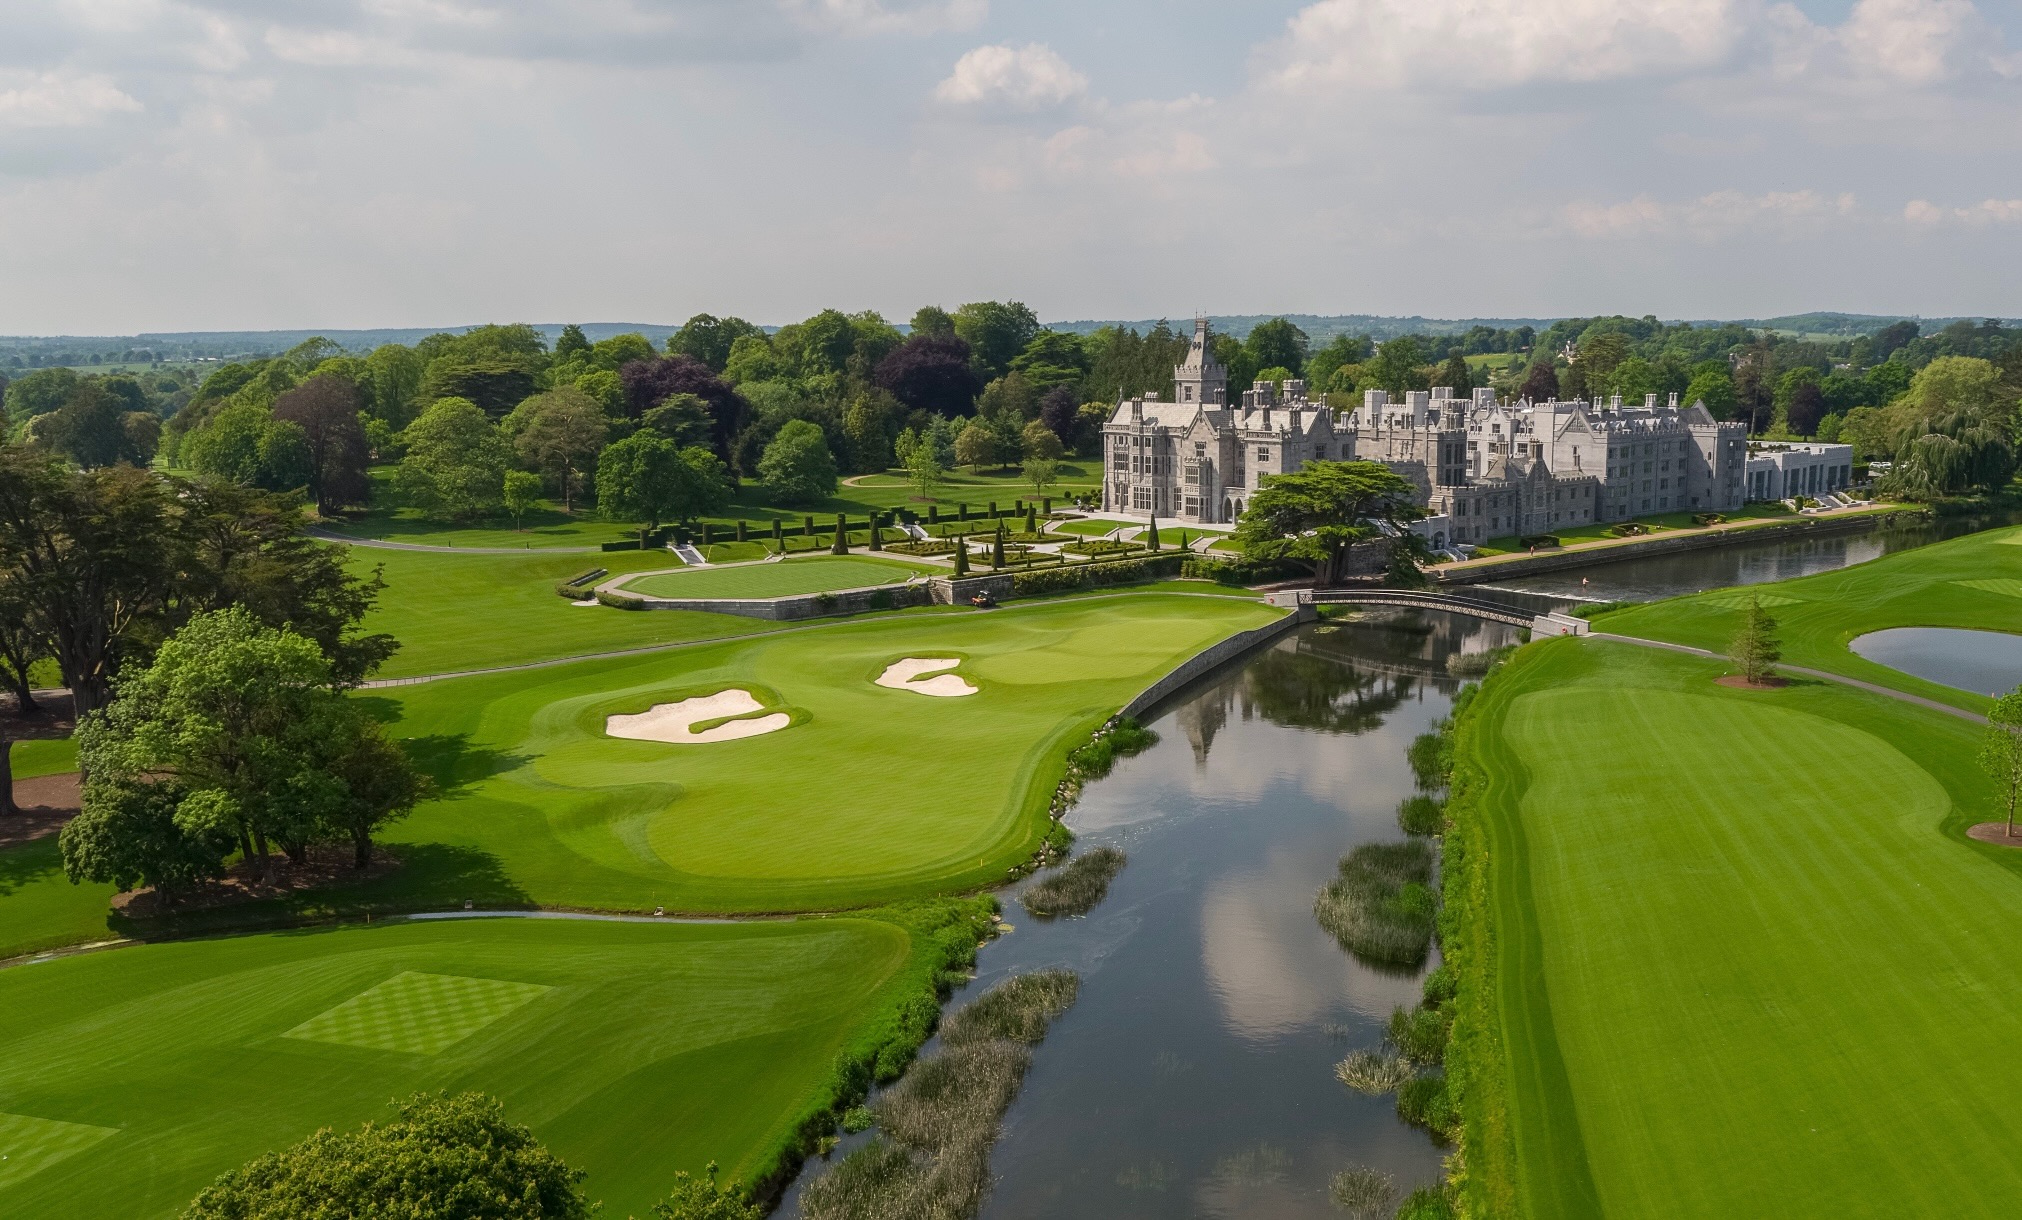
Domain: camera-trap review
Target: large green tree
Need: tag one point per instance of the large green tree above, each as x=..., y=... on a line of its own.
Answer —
x=1312, y=516
x=997, y=333
x=243, y=733
x=797, y=467
x=561, y=433
x=325, y=407
x=441, y=1158
x=456, y=461
x=647, y=478
x=1277, y=344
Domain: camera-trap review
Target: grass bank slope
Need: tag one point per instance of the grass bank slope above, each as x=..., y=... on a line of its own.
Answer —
x=459, y=612
x=129, y=1079
x=871, y=794
x=1972, y=582
x=1749, y=964
x=786, y=578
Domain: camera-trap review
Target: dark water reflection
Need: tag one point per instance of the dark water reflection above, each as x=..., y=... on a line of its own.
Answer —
x=1194, y=1075
x=1988, y=662
x=1636, y=580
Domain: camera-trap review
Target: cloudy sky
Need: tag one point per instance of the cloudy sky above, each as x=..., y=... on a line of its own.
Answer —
x=203, y=164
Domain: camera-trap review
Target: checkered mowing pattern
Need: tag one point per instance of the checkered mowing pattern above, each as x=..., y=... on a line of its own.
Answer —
x=417, y=1013
x=28, y=1145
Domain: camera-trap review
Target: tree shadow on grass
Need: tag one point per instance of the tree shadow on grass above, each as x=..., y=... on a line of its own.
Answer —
x=455, y=764
x=431, y=877
x=28, y=863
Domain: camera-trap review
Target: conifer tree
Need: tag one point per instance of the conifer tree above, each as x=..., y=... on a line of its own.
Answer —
x=997, y=547
x=877, y=534
x=1755, y=645
x=961, y=556
x=841, y=545
x=1031, y=520
x=1151, y=535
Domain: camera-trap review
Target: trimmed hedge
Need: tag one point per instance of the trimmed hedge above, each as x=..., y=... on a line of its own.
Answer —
x=1093, y=575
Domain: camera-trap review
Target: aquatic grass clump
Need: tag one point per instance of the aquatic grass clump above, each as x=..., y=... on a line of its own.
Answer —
x=1477, y=664
x=1381, y=907
x=1121, y=740
x=1364, y=1193
x=1419, y=1034
x=1076, y=889
x=1423, y=1101
x=1374, y=1072
x=1421, y=815
x=931, y=1158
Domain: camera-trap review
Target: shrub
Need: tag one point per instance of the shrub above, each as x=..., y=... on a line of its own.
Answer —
x=702, y=1199
x=1421, y=815
x=1423, y=1101
x=1597, y=609
x=1100, y=546
x=1076, y=889
x=939, y=1122
x=1429, y=762
x=1441, y=986
x=1094, y=760
x=1426, y=1203
x=1476, y=664
x=1379, y=907
x=442, y=1156
x=1419, y=1034
x=1364, y=1193
x=1373, y=1072
x=619, y=600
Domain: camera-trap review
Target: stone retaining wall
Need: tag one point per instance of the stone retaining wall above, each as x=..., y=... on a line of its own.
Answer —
x=789, y=609
x=1214, y=655
x=1663, y=544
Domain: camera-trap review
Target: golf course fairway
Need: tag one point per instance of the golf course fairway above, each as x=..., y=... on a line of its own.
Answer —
x=1749, y=964
x=1972, y=582
x=871, y=794
x=129, y=1079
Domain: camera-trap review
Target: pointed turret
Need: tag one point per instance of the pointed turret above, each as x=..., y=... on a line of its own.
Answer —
x=1201, y=378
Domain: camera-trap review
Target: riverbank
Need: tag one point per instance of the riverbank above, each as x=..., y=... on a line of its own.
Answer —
x=1669, y=542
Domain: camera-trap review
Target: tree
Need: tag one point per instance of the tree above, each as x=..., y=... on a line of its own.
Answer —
x=572, y=346
x=1060, y=410
x=1715, y=388
x=522, y=492
x=1807, y=407
x=702, y=1199
x=442, y=1157
x=2001, y=751
x=562, y=431
x=797, y=467
x=1151, y=533
x=841, y=544
x=640, y=478
x=456, y=461
x=648, y=383
x=1277, y=343
x=39, y=393
x=1542, y=383
x=1039, y=441
x=325, y=407
x=931, y=372
x=976, y=445
x=996, y=331
x=1755, y=647
x=1053, y=359
x=1314, y=515
x=1455, y=375
x=961, y=556
x=709, y=339
x=87, y=427
x=495, y=382
x=997, y=547
x=240, y=728
x=1397, y=366
x=377, y=784
x=932, y=320
x=924, y=469
x=1042, y=473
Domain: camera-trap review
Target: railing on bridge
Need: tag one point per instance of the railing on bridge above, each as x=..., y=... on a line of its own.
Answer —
x=1540, y=624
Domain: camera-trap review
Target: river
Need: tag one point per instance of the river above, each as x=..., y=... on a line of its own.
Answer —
x=1193, y=1077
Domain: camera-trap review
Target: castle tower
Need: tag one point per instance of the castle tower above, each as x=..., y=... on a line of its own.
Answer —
x=1201, y=378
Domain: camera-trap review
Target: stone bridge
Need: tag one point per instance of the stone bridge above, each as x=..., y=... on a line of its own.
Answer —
x=1425, y=599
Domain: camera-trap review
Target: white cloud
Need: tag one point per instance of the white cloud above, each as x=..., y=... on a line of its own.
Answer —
x=1716, y=214
x=1988, y=211
x=1031, y=77
x=1481, y=44
x=1915, y=41
x=56, y=99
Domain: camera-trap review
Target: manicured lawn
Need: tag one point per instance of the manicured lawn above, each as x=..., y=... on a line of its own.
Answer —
x=1973, y=582
x=786, y=578
x=1659, y=523
x=1750, y=965
x=130, y=1079
x=458, y=612
x=871, y=794
x=32, y=758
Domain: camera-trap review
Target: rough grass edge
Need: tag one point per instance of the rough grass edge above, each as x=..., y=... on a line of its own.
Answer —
x=1483, y=1174
x=945, y=933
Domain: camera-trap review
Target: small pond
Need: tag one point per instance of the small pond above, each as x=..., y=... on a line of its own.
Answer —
x=1989, y=662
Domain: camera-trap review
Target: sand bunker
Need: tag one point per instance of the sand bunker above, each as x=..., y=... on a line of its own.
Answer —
x=670, y=722
x=900, y=675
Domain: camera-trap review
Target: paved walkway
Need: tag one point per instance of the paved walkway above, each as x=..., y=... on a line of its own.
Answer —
x=1842, y=679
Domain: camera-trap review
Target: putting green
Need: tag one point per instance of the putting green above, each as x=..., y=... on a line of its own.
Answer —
x=786, y=578
x=1967, y=582
x=874, y=794
x=1750, y=964
x=132, y=1078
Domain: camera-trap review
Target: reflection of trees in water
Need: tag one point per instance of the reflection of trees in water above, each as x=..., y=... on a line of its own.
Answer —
x=1341, y=677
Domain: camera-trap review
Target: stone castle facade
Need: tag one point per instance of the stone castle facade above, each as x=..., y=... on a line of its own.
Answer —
x=1485, y=468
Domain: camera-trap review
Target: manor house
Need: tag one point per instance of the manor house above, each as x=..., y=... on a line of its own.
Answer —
x=1484, y=468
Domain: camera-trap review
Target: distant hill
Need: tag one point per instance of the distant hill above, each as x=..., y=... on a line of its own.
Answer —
x=36, y=351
